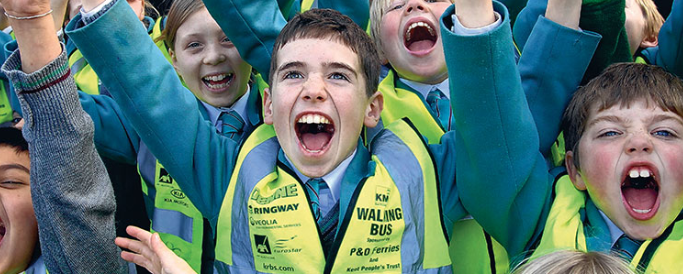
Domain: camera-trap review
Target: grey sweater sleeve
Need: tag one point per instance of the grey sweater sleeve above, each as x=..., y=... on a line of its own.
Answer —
x=72, y=195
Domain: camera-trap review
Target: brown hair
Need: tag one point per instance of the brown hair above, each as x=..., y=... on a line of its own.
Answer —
x=326, y=23
x=623, y=84
x=575, y=262
x=179, y=12
x=653, y=19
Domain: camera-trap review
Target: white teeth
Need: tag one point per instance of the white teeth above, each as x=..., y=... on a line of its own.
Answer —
x=641, y=211
x=640, y=172
x=644, y=173
x=313, y=119
x=418, y=24
x=216, y=78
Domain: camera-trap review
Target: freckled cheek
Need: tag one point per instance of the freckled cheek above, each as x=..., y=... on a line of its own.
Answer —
x=673, y=162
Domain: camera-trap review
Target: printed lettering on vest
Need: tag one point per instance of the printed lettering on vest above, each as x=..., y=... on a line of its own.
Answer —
x=282, y=192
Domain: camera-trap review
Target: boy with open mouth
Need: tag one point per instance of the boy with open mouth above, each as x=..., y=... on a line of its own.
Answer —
x=302, y=194
x=621, y=190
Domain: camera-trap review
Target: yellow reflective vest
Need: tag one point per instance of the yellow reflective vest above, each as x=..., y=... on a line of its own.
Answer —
x=393, y=223
x=564, y=229
x=472, y=250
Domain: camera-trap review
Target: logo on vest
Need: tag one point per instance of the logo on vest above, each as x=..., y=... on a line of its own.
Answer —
x=381, y=195
x=178, y=194
x=262, y=244
x=282, y=192
x=164, y=176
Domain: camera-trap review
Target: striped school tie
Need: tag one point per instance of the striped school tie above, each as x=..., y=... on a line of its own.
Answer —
x=441, y=107
x=626, y=247
x=230, y=125
x=325, y=211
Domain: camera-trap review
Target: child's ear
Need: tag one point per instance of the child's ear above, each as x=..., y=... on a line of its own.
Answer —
x=174, y=60
x=267, y=107
x=374, y=109
x=649, y=42
x=573, y=171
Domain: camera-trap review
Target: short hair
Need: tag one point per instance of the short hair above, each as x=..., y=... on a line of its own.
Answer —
x=575, y=262
x=653, y=19
x=11, y=137
x=377, y=10
x=177, y=15
x=623, y=84
x=327, y=23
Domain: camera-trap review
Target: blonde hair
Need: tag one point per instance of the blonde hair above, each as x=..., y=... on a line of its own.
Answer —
x=575, y=262
x=653, y=19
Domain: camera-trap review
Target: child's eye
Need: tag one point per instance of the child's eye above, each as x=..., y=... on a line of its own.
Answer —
x=609, y=134
x=663, y=133
x=10, y=183
x=396, y=6
x=193, y=44
x=293, y=75
x=338, y=76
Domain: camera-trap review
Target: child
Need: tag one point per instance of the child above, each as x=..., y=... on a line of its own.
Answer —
x=417, y=87
x=19, y=249
x=322, y=94
x=213, y=71
x=76, y=230
x=623, y=165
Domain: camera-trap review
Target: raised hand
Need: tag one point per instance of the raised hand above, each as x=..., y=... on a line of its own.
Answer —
x=151, y=253
x=564, y=12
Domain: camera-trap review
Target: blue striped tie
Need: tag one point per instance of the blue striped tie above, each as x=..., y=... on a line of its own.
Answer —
x=626, y=247
x=230, y=124
x=441, y=107
x=325, y=211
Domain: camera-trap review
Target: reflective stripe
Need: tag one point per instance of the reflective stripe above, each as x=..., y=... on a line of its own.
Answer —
x=173, y=222
x=5, y=105
x=564, y=227
x=400, y=103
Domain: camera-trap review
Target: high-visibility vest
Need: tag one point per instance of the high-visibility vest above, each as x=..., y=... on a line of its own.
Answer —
x=393, y=223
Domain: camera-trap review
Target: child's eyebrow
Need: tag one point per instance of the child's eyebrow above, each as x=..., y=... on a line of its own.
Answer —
x=13, y=166
x=663, y=117
x=614, y=119
x=339, y=65
x=288, y=65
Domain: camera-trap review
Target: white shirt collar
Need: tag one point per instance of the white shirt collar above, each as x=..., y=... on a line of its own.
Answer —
x=334, y=178
x=424, y=89
x=614, y=231
x=240, y=106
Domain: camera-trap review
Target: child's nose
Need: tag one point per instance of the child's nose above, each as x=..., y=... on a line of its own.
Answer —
x=214, y=56
x=413, y=5
x=639, y=142
x=314, y=89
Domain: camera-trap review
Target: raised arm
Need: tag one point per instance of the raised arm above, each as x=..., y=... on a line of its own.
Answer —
x=73, y=201
x=553, y=64
x=669, y=53
x=501, y=176
x=150, y=94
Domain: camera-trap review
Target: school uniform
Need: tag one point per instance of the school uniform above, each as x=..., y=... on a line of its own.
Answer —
x=208, y=190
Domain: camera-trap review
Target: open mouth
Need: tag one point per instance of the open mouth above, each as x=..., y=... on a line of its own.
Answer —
x=2, y=231
x=640, y=192
x=419, y=37
x=218, y=81
x=315, y=131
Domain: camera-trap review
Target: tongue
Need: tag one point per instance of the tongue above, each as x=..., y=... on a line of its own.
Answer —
x=421, y=45
x=641, y=199
x=315, y=141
